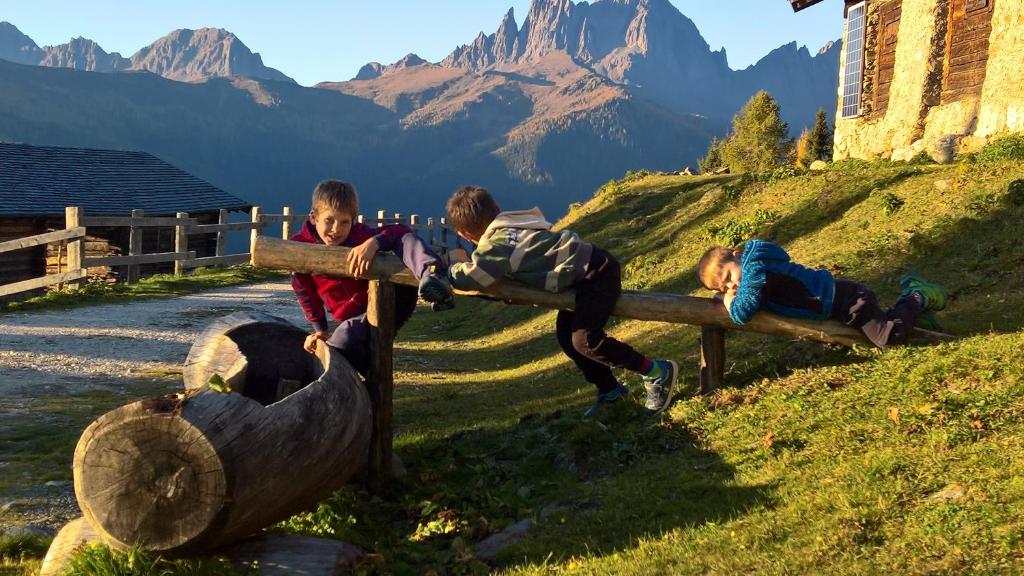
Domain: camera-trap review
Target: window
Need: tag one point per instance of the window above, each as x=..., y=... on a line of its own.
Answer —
x=853, y=74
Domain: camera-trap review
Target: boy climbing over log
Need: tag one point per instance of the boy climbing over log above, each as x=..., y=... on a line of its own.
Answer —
x=761, y=275
x=332, y=221
x=520, y=245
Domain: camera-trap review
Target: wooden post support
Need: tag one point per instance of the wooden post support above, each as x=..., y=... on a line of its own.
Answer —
x=286, y=226
x=222, y=218
x=382, y=217
x=430, y=234
x=380, y=313
x=180, y=244
x=134, y=246
x=712, y=358
x=76, y=248
x=414, y=223
x=255, y=231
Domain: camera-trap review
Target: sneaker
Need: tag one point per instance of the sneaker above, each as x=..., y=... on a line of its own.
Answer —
x=928, y=321
x=659, y=388
x=606, y=398
x=933, y=294
x=436, y=289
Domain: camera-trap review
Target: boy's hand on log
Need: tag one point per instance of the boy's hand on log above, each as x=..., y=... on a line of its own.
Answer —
x=311, y=340
x=360, y=257
x=727, y=299
x=458, y=255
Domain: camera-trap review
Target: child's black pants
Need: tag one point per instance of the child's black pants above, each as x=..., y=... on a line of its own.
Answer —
x=857, y=305
x=581, y=332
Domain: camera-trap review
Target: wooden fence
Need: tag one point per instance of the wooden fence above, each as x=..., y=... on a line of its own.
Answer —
x=436, y=233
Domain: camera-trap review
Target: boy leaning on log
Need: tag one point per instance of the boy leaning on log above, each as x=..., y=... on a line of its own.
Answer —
x=763, y=276
x=332, y=221
x=521, y=245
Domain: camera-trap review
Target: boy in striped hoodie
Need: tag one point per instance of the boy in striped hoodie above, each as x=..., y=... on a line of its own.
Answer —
x=520, y=245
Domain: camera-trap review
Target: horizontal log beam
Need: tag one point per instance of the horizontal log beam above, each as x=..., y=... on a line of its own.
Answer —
x=40, y=239
x=652, y=306
x=117, y=221
x=42, y=282
x=276, y=218
x=140, y=259
x=211, y=228
x=229, y=260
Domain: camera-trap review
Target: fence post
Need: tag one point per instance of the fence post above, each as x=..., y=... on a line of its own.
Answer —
x=380, y=313
x=414, y=223
x=180, y=243
x=286, y=226
x=76, y=248
x=712, y=358
x=445, y=236
x=430, y=234
x=382, y=216
x=222, y=218
x=255, y=230
x=134, y=245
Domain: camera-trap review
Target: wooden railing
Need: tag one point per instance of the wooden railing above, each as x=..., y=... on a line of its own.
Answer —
x=437, y=234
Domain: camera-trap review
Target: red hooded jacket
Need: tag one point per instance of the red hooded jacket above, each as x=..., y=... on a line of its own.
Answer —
x=343, y=297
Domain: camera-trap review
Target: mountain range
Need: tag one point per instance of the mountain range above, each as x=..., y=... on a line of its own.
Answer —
x=540, y=113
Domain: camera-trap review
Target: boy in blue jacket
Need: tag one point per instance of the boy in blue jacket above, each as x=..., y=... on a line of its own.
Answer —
x=762, y=276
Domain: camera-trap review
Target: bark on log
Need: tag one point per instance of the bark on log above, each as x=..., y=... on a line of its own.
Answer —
x=273, y=554
x=331, y=261
x=198, y=470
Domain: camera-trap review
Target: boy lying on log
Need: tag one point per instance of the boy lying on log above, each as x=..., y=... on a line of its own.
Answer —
x=332, y=221
x=521, y=245
x=762, y=276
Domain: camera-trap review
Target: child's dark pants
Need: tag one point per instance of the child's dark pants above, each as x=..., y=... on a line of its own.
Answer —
x=856, y=305
x=581, y=332
x=352, y=337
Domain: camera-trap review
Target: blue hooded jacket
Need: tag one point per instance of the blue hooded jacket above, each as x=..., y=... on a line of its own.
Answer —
x=769, y=280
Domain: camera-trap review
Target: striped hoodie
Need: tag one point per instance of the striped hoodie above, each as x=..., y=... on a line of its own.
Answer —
x=521, y=245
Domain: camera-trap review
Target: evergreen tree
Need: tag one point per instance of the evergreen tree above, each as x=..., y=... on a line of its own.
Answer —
x=820, y=144
x=713, y=159
x=759, y=141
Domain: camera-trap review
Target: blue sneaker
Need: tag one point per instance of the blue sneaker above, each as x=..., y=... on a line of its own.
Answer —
x=436, y=289
x=934, y=295
x=606, y=398
x=659, y=388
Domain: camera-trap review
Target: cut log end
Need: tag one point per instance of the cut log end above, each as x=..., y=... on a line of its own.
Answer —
x=154, y=467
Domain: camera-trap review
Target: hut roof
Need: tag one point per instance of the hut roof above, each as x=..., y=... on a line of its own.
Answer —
x=799, y=5
x=43, y=180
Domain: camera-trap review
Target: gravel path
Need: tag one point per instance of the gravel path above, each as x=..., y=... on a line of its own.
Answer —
x=116, y=348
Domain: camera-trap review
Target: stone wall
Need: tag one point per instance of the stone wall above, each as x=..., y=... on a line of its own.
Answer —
x=916, y=120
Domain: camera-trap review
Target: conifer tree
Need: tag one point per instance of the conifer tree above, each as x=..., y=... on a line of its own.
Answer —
x=759, y=141
x=820, y=145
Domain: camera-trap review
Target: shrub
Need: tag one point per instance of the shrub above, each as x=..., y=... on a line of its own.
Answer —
x=802, y=153
x=891, y=203
x=1003, y=149
x=713, y=159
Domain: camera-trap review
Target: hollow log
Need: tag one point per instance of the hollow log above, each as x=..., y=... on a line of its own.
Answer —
x=678, y=309
x=198, y=470
x=273, y=554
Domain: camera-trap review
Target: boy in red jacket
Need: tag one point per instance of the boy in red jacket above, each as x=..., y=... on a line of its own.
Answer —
x=332, y=221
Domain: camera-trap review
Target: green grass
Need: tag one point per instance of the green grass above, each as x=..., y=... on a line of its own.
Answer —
x=156, y=286
x=810, y=460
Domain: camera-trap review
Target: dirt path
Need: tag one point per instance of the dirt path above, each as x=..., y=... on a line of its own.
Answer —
x=61, y=369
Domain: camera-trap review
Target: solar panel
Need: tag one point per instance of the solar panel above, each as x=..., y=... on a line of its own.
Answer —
x=853, y=74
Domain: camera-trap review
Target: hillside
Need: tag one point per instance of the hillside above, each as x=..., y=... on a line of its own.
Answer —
x=810, y=460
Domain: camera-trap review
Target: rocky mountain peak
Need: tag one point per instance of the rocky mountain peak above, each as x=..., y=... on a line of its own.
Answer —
x=370, y=71
x=196, y=55
x=83, y=54
x=17, y=47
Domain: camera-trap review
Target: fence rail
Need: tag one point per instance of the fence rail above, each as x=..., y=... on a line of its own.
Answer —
x=435, y=233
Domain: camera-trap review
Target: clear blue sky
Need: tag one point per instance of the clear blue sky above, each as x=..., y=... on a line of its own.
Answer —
x=319, y=40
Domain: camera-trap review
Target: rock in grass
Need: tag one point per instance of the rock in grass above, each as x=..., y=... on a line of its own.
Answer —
x=489, y=548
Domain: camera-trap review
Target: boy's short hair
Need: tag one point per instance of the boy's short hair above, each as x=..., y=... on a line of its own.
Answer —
x=336, y=195
x=711, y=262
x=472, y=209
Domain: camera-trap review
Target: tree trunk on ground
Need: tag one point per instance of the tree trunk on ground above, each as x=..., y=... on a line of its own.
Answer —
x=331, y=261
x=199, y=470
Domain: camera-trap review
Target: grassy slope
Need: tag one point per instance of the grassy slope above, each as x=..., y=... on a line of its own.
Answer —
x=810, y=460
x=864, y=462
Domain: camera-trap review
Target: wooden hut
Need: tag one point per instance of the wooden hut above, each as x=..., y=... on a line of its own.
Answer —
x=38, y=182
x=933, y=76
